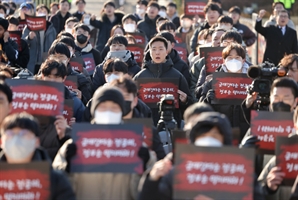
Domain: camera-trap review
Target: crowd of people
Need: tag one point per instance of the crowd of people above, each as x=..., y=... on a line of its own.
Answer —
x=109, y=94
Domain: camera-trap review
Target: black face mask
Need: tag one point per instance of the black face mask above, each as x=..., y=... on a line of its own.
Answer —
x=82, y=39
x=281, y=107
x=127, y=107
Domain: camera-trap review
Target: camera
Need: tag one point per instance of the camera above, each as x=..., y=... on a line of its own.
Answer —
x=264, y=76
x=24, y=74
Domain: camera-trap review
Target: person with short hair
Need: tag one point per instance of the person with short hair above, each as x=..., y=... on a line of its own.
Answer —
x=81, y=4
x=172, y=14
x=70, y=23
x=2, y=11
x=58, y=20
x=168, y=27
x=141, y=8
x=25, y=9
x=54, y=7
x=13, y=7
x=186, y=30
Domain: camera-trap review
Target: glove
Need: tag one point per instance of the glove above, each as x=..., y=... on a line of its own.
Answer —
x=71, y=151
x=210, y=96
x=249, y=142
x=143, y=153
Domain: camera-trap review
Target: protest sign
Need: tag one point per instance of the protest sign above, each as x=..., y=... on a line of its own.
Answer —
x=152, y=89
x=71, y=82
x=268, y=125
x=182, y=51
x=179, y=38
x=22, y=24
x=138, y=52
x=139, y=37
x=230, y=88
x=25, y=181
x=68, y=110
x=77, y=63
x=194, y=7
x=286, y=150
x=213, y=58
x=37, y=97
x=89, y=63
x=107, y=148
x=16, y=36
x=147, y=128
x=35, y=23
x=214, y=172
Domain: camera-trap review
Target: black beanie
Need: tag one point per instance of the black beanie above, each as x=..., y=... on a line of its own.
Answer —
x=4, y=23
x=107, y=93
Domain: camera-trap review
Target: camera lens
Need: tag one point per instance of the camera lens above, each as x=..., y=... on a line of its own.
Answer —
x=263, y=86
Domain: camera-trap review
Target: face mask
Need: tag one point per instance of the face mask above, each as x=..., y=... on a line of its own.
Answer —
x=112, y=77
x=40, y=14
x=86, y=21
x=201, y=42
x=107, y=117
x=2, y=16
x=18, y=148
x=130, y=28
x=123, y=55
x=82, y=39
x=281, y=107
x=234, y=65
x=127, y=107
x=162, y=13
x=7, y=12
x=208, y=142
x=186, y=24
x=68, y=30
x=140, y=11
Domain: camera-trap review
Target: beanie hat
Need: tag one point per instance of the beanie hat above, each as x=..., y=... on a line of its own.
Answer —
x=107, y=93
x=4, y=23
x=212, y=119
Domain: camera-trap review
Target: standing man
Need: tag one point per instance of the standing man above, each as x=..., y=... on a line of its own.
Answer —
x=172, y=14
x=141, y=9
x=81, y=9
x=59, y=19
x=280, y=39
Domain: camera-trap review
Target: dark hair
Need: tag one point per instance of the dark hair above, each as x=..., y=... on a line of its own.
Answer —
x=235, y=9
x=72, y=19
x=6, y=90
x=109, y=3
x=278, y=2
x=68, y=41
x=163, y=8
x=167, y=35
x=288, y=60
x=158, y=39
x=284, y=11
x=212, y=6
x=167, y=25
x=125, y=82
x=129, y=16
x=84, y=27
x=64, y=33
x=3, y=8
x=154, y=4
x=183, y=16
x=54, y=4
x=78, y=1
x=112, y=65
x=238, y=48
x=196, y=109
x=63, y=1
x=143, y=2
x=40, y=6
x=130, y=37
x=171, y=4
x=50, y=64
x=287, y=83
x=13, y=4
x=225, y=19
x=205, y=33
x=115, y=27
x=59, y=47
x=13, y=20
x=232, y=35
x=21, y=120
x=214, y=1
x=118, y=39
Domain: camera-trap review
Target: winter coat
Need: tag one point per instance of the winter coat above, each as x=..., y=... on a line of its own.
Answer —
x=10, y=48
x=175, y=19
x=195, y=71
x=194, y=39
x=105, y=26
x=295, y=190
x=247, y=35
x=89, y=49
x=233, y=112
x=34, y=45
x=180, y=65
x=187, y=38
x=99, y=77
x=78, y=15
x=78, y=106
x=272, y=22
x=166, y=70
x=277, y=44
x=58, y=21
x=60, y=187
x=23, y=56
x=148, y=26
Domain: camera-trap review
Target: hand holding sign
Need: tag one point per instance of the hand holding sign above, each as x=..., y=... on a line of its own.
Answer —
x=61, y=125
x=32, y=35
x=161, y=168
x=6, y=36
x=274, y=178
x=182, y=96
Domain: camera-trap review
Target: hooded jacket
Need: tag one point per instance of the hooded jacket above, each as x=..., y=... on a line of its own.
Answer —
x=180, y=65
x=86, y=50
x=58, y=21
x=165, y=70
x=99, y=77
x=105, y=26
x=148, y=26
x=60, y=187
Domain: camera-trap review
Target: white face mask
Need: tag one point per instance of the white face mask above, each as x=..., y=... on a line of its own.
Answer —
x=40, y=14
x=162, y=13
x=107, y=117
x=68, y=30
x=86, y=21
x=130, y=28
x=186, y=24
x=2, y=16
x=233, y=65
x=201, y=42
x=7, y=11
x=18, y=148
x=111, y=77
x=140, y=11
x=208, y=142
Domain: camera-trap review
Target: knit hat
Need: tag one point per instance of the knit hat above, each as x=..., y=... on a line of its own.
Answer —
x=213, y=119
x=107, y=93
x=27, y=5
x=4, y=23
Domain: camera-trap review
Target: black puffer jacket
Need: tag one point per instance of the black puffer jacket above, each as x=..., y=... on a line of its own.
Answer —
x=105, y=26
x=166, y=70
x=180, y=65
x=58, y=21
x=247, y=35
x=60, y=186
x=148, y=26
